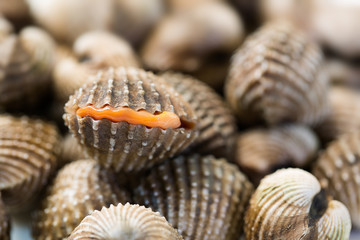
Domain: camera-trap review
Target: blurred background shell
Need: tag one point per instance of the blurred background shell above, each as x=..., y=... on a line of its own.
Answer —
x=4, y=223
x=276, y=76
x=125, y=222
x=78, y=189
x=71, y=150
x=344, y=114
x=343, y=73
x=338, y=170
x=120, y=145
x=28, y=157
x=17, y=11
x=216, y=124
x=290, y=204
x=261, y=151
x=203, y=197
x=26, y=61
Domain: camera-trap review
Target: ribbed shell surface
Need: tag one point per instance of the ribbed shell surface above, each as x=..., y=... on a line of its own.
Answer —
x=4, y=223
x=203, y=197
x=338, y=169
x=217, y=125
x=276, y=76
x=25, y=65
x=261, y=151
x=125, y=222
x=123, y=146
x=290, y=204
x=28, y=156
x=79, y=188
x=71, y=150
x=344, y=114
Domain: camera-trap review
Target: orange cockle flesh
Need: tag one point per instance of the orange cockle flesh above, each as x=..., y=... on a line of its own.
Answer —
x=163, y=120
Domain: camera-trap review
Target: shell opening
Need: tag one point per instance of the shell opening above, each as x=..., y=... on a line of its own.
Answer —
x=318, y=207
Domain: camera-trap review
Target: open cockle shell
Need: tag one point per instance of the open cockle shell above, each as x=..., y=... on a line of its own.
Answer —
x=290, y=204
x=338, y=170
x=261, y=151
x=28, y=156
x=276, y=76
x=202, y=197
x=4, y=223
x=121, y=145
x=79, y=188
x=125, y=222
x=216, y=124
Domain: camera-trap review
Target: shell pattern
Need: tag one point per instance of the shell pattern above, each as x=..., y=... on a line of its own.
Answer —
x=123, y=146
x=338, y=170
x=290, y=204
x=79, y=188
x=276, y=76
x=203, y=197
x=217, y=125
x=125, y=222
x=28, y=156
x=261, y=151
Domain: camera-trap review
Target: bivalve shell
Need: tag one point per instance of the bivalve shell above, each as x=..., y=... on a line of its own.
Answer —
x=125, y=222
x=338, y=170
x=277, y=76
x=120, y=144
x=79, y=188
x=28, y=156
x=71, y=150
x=203, y=197
x=290, y=204
x=4, y=223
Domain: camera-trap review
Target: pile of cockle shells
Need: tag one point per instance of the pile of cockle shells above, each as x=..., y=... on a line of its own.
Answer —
x=180, y=119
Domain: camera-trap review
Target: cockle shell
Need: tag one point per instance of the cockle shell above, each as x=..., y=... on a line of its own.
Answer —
x=92, y=51
x=79, y=188
x=28, y=156
x=4, y=223
x=25, y=64
x=338, y=170
x=343, y=73
x=5, y=28
x=183, y=39
x=15, y=10
x=120, y=145
x=203, y=197
x=217, y=125
x=71, y=150
x=261, y=151
x=125, y=222
x=344, y=114
x=276, y=76
x=290, y=204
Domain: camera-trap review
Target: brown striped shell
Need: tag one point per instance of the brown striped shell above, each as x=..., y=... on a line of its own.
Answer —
x=261, y=151
x=120, y=145
x=28, y=156
x=344, y=114
x=182, y=40
x=125, y=222
x=203, y=197
x=276, y=76
x=4, y=223
x=79, y=188
x=71, y=150
x=25, y=65
x=290, y=204
x=217, y=125
x=338, y=170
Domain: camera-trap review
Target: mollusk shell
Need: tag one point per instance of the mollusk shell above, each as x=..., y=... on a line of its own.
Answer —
x=289, y=204
x=79, y=188
x=4, y=223
x=71, y=150
x=216, y=124
x=261, y=151
x=120, y=145
x=338, y=170
x=277, y=76
x=203, y=197
x=125, y=221
x=28, y=156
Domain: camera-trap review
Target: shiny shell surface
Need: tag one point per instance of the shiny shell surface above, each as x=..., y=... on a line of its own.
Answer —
x=338, y=170
x=78, y=189
x=125, y=222
x=202, y=197
x=261, y=151
x=276, y=76
x=290, y=204
x=120, y=145
x=28, y=156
